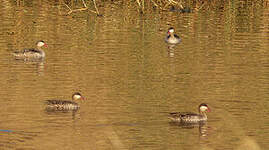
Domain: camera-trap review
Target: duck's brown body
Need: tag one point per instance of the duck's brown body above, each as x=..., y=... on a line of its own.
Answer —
x=64, y=105
x=189, y=117
x=61, y=105
x=31, y=54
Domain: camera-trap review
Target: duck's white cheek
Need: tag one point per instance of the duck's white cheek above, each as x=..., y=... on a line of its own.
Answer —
x=40, y=44
x=203, y=108
x=77, y=96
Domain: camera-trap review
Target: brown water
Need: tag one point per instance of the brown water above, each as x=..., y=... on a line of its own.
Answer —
x=131, y=79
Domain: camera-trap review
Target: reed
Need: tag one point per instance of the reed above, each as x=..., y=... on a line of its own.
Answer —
x=84, y=8
x=162, y=5
x=196, y=5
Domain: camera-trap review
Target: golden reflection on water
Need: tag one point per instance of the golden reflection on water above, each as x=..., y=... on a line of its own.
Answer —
x=130, y=76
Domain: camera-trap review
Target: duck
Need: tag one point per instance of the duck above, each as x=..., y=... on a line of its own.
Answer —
x=191, y=117
x=64, y=105
x=32, y=54
x=172, y=38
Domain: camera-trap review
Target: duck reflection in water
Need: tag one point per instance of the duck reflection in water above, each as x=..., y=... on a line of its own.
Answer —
x=171, y=50
x=202, y=126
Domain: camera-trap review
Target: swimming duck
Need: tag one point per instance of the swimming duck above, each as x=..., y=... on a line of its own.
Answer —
x=172, y=38
x=32, y=54
x=191, y=117
x=64, y=105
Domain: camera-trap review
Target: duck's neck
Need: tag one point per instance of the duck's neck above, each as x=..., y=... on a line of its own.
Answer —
x=42, y=53
x=39, y=48
x=172, y=35
x=203, y=114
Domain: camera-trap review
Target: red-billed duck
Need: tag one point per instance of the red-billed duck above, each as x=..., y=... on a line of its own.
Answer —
x=64, y=105
x=32, y=54
x=191, y=117
x=172, y=38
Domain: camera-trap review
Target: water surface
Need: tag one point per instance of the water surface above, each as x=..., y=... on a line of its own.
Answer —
x=131, y=79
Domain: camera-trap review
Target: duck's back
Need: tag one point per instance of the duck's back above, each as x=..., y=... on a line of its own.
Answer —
x=187, y=117
x=63, y=105
x=29, y=54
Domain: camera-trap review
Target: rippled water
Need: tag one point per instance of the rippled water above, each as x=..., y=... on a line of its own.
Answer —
x=131, y=79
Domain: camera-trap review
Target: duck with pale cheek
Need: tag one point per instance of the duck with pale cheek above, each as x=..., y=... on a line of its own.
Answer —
x=32, y=54
x=191, y=117
x=172, y=38
x=64, y=105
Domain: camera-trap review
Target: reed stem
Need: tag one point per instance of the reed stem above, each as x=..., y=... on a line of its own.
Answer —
x=85, y=7
x=96, y=7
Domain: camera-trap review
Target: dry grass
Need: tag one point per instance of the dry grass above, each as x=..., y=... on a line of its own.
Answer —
x=163, y=5
x=84, y=8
